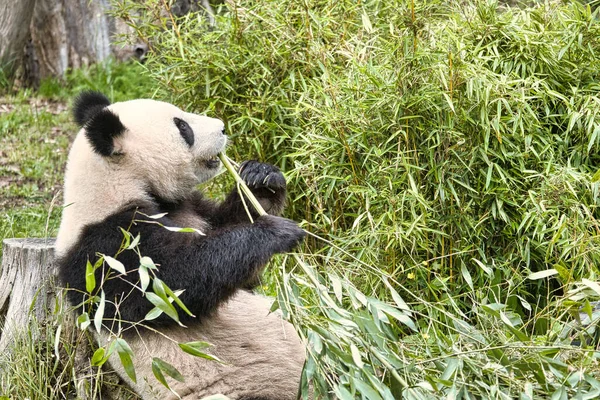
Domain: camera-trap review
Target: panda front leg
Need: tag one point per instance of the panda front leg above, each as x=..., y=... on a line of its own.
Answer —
x=268, y=185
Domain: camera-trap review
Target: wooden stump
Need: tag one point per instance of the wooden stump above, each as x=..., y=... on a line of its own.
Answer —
x=28, y=278
x=27, y=285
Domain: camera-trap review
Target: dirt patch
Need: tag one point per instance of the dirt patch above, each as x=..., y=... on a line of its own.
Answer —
x=37, y=104
x=6, y=108
x=50, y=106
x=8, y=171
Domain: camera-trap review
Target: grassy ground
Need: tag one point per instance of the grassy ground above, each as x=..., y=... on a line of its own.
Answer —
x=35, y=132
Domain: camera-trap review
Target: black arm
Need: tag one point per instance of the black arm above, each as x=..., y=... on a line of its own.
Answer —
x=210, y=268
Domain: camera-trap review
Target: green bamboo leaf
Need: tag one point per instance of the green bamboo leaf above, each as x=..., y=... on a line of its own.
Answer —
x=337, y=287
x=195, y=349
x=175, y=297
x=274, y=306
x=542, y=274
x=98, y=358
x=356, y=356
x=158, y=287
x=115, y=264
x=127, y=237
x=156, y=216
x=520, y=335
x=134, y=242
x=366, y=390
x=185, y=230
x=148, y=263
x=99, y=315
x=163, y=305
x=167, y=368
x=467, y=276
x=83, y=321
x=342, y=393
x=156, y=312
x=397, y=314
x=397, y=298
x=125, y=353
x=153, y=314
x=159, y=375
x=90, y=278
x=144, y=277
x=488, y=271
x=592, y=285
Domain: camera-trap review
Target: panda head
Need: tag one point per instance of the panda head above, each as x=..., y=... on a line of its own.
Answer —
x=154, y=143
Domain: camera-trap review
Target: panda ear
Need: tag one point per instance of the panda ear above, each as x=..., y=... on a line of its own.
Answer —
x=101, y=130
x=87, y=104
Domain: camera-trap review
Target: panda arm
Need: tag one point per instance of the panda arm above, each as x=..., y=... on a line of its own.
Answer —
x=209, y=268
x=266, y=182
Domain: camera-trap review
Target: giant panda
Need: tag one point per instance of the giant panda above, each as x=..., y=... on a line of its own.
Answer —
x=142, y=158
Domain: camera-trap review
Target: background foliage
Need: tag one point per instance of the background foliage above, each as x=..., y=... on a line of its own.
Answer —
x=448, y=148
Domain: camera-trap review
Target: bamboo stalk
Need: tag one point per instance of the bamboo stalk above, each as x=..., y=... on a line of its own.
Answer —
x=225, y=160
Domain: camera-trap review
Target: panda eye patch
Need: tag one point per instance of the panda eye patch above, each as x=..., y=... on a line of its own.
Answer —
x=185, y=130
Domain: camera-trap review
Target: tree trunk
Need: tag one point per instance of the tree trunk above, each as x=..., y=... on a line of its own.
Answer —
x=67, y=34
x=27, y=288
x=44, y=38
x=15, y=15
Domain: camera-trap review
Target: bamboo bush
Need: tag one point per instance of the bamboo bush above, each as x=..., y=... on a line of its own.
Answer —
x=443, y=153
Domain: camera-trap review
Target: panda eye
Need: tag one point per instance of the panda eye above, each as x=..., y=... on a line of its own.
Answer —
x=185, y=130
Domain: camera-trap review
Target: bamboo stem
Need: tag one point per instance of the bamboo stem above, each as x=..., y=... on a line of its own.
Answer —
x=225, y=160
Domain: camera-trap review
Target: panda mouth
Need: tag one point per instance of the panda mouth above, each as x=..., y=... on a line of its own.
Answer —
x=212, y=162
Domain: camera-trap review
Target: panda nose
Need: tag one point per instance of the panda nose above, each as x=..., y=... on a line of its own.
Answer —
x=223, y=131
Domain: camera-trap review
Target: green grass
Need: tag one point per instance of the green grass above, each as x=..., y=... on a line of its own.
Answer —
x=35, y=139
x=35, y=131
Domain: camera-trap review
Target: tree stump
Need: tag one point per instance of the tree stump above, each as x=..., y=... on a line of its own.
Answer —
x=28, y=277
x=27, y=285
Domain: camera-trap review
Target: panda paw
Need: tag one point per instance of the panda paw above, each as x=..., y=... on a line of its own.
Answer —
x=286, y=233
x=259, y=175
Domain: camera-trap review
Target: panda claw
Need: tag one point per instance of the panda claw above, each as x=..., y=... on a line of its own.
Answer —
x=261, y=175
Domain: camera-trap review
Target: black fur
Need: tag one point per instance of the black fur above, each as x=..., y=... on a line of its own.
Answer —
x=87, y=104
x=101, y=130
x=210, y=268
x=185, y=130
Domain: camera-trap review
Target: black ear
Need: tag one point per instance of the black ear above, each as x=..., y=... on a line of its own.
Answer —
x=87, y=104
x=101, y=130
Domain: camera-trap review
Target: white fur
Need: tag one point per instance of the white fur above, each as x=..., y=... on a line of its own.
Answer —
x=154, y=156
